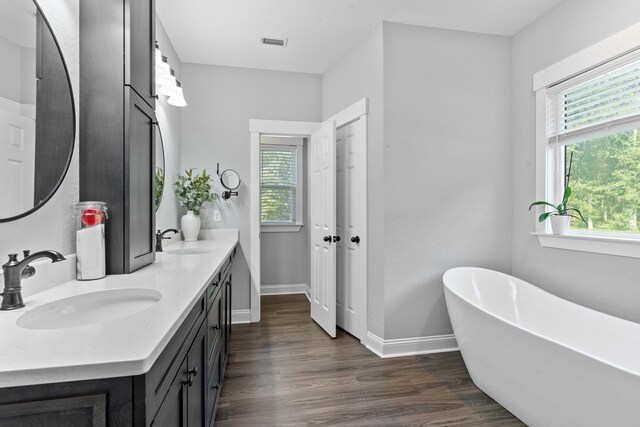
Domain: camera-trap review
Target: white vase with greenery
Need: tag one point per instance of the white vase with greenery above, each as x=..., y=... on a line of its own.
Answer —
x=192, y=190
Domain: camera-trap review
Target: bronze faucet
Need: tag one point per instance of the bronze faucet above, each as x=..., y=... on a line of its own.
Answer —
x=15, y=271
x=160, y=237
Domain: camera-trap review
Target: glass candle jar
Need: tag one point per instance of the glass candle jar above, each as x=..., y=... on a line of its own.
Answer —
x=90, y=246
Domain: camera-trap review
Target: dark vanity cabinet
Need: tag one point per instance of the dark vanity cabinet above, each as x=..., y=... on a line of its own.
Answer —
x=181, y=389
x=117, y=134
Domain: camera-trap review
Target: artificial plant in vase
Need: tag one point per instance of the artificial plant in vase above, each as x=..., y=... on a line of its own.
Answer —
x=192, y=190
x=560, y=215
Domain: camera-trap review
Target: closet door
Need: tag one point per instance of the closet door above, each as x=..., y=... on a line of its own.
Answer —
x=322, y=196
x=351, y=153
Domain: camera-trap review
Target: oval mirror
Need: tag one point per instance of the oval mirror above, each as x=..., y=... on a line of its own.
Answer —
x=160, y=167
x=37, y=115
x=230, y=179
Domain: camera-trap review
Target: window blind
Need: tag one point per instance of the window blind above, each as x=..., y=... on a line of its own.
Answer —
x=607, y=102
x=278, y=181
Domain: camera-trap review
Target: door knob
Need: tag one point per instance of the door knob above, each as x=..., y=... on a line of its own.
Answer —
x=356, y=239
x=336, y=238
x=327, y=239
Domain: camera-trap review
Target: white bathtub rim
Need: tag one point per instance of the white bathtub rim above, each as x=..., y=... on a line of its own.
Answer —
x=544, y=337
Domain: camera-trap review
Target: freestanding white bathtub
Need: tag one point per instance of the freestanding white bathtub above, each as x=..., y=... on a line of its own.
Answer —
x=547, y=360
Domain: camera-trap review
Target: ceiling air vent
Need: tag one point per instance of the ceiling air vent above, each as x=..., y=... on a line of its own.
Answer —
x=274, y=42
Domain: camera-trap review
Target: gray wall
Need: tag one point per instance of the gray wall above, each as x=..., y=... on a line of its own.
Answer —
x=52, y=226
x=359, y=74
x=215, y=128
x=425, y=164
x=607, y=283
x=446, y=167
x=284, y=257
x=168, y=214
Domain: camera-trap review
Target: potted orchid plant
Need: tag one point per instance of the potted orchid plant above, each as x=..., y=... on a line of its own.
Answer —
x=560, y=214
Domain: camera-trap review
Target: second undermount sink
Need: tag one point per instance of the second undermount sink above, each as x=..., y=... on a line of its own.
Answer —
x=189, y=251
x=89, y=308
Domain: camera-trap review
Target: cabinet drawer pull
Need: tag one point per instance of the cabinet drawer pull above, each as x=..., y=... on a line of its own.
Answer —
x=215, y=328
x=214, y=387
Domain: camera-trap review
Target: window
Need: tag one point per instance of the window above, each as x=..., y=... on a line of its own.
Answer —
x=593, y=128
x=588, y=122
x=281, y=183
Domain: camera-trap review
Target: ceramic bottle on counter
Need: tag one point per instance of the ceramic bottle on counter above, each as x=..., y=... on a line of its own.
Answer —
x=190, y=224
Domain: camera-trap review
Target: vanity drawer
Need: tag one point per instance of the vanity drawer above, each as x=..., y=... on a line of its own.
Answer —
x=219, y=279
x=157, y=381
x=212, y=290
x=214, y=328
x=213, y=390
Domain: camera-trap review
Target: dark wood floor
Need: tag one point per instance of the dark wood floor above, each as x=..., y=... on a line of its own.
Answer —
x=285, y=371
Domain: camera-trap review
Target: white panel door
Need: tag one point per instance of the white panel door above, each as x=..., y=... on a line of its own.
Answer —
x=17, y=161
x=351, y=146
x=322, y=213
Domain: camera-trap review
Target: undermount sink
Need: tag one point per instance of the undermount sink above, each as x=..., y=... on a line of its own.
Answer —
x=189, y=251
x=89, y=308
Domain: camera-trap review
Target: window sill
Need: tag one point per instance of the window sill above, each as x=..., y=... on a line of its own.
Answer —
x=280, y=228
x=618, y=246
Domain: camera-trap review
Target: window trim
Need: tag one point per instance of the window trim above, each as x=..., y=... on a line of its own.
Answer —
x=274, y=227
x=548, y=187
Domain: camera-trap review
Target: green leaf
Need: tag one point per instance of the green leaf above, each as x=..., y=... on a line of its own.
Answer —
x=541, y=202
x=565, y=197
x=579, y=214
x=544, y=216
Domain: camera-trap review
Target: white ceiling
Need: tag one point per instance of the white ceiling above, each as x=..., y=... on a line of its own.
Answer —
x=228, y=32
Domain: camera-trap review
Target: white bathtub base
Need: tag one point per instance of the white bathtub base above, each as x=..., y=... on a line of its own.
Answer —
x=539, y=380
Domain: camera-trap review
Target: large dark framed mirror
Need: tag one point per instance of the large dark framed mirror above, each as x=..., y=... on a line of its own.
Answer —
x=37, y=112
x=160, y=170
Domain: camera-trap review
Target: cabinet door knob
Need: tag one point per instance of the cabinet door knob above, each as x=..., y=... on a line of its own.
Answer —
x=188, y=381
x=193, y=371
x=327, y=239
x=336, y=238
x=355, y=239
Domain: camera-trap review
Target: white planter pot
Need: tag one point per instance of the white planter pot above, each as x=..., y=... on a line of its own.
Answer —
x=190, y=224
x=560, y=224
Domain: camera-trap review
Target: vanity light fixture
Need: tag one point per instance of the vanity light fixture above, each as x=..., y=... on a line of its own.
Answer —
x=163, y=72
x=166, y=82
x=158, y=53
x=177, y=100
x=171, y=88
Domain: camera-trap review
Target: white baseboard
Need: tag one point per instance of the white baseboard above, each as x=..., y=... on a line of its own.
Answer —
x=411, y=346
x=297, y=288
x=240, y=316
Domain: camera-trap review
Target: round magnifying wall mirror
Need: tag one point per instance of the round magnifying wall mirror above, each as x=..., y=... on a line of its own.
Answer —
x=160, y=167
x=230, y=179
x=37, y=114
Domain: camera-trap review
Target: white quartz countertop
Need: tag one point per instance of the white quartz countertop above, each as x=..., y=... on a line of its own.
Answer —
x=122, y=347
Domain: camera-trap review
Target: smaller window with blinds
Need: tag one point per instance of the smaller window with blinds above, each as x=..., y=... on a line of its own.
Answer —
x=594, y=118
x=281, y=190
